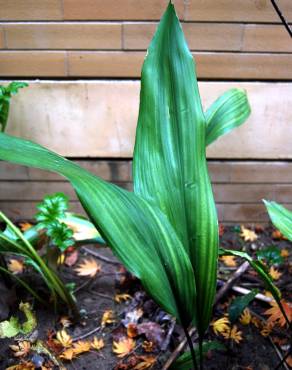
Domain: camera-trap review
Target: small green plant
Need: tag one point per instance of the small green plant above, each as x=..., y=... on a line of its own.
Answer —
x=166, y=231
x=6, y=92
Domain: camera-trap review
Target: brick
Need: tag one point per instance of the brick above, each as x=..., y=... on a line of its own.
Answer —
x=118, y=10
x=30, y=10
x=32, y=64
x=63, y=36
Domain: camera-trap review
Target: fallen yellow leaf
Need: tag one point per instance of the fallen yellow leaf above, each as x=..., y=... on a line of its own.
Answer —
x=245, y=317
x=285, y=253
x=88, y=267
x=15, y=266
x=24, y=226
x=274, y=273
x=64, y=338
x=107, y=318
x=81, y=346
x=146, y=363
x=229, y=261
x=97, y=344
x=123, y=347
x=21, y=349
x=221, y=325
x=248, y=235
x=119, y=298
x=233, y=334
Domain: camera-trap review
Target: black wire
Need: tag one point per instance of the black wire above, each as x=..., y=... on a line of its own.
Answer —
x=285, y=23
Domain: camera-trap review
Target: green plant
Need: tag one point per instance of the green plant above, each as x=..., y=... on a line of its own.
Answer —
x=281, y=217
x=6, y=92
x=171, y=238
x=12, y=241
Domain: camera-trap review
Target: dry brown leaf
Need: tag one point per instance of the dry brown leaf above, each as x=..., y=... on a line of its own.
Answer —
x=132, y=330
x=64, y=338
x=245, y=317
x=274, y=273
x=289, y=361
x=276, y=316
x=221, y=325
x=123, y=347
x=15, y=266
x=248, y=235
x=119, y=298
x=88, y=267
x=21, y=349
x=71, y=258
x=229, y=261
x=107, y=318
x=233, y=334
x=277, y=235
x=97, y=344
x=146, y=362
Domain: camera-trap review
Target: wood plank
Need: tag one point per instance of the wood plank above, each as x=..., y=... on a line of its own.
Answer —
x=30, y=9
x=209, y=65
x=208, y=37
x=103, y=116
x=63, y=35
x=200, y=36
x=221, y=172
x=236, y=10
x=117, y=10
x=2, y=41
x=113, y=64
x=224, y=193
x=115, y=171
x=32, y=63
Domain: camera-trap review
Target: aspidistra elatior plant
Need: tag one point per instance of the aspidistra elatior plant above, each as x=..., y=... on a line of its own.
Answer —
x=166, y=231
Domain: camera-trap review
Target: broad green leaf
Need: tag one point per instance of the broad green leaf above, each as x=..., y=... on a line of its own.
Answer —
x=169, y=167
x=229, y=111
x=280, y=217
x=184, y=362
x=9, y=328
x=138, y=232
x=239, y=304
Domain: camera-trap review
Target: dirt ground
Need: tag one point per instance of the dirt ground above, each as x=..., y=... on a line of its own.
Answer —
x=95, y=296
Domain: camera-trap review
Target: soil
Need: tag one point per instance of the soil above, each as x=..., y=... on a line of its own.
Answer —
x=95, y=296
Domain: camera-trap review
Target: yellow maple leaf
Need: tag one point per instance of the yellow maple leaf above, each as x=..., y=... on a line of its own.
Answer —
x=81, y=346
x=68, y=354
x=245, y=317
x=146, y=363
x=248, y=235
x=64, y=338
x=233, y=334
x=221, y=325
x=123, y=347
x=107, y=318
x=275, y=313
x=65, y=321
x=26, y=365
x=285, y=253
x=21, y=349
x=122, y=297
x=148, y=346
x=274, y=273
x=229, y=261
x=88, y=267
x=97, y=344
x=15, y=266
x=24, y=226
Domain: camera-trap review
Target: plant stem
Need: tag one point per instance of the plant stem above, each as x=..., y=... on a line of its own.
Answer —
x=190, y=343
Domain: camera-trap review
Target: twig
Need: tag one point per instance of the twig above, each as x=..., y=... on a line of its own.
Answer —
x=100, y=257
x=75, y=339
x=242, y=268
x=259, y=296
x=230, y=282
x=281, y=358
x=285, y=23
